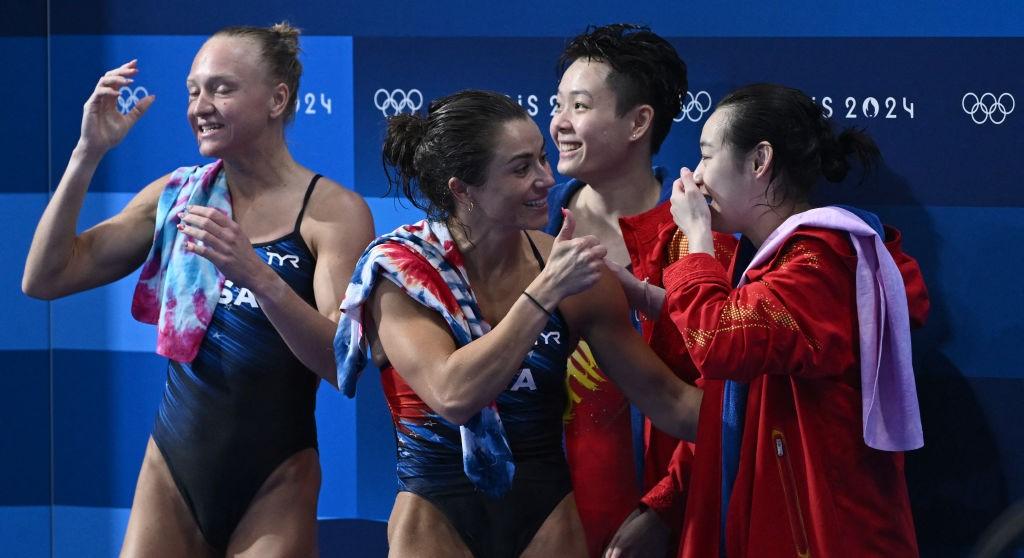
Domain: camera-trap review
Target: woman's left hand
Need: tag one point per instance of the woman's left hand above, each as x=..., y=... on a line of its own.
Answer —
x=691, y=213
x=218, y=238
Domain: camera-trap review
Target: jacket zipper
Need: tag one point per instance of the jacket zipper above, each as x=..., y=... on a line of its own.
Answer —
x=796, y=518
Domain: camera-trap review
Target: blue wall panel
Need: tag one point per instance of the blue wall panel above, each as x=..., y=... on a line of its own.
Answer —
x=161, y=140
x=552, y=18
x=104, y=405
x=24, y=120
x=25, y=531
x=25, y=430
x=25, y=323
x=899, y=90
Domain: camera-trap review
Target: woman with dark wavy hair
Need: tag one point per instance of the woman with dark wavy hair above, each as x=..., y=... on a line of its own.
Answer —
x=471, y=315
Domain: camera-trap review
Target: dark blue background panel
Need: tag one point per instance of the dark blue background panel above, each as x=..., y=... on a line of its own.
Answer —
x=25, y=430
x=24, y=18
x=970, y=468
x=948, y=137
x=967, y=257
x=24, y=117
x=552, y=18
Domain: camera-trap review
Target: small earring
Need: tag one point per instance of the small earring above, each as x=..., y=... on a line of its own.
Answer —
x=470, y=208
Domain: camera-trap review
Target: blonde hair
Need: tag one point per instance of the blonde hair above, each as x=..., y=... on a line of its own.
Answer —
x=279, y=46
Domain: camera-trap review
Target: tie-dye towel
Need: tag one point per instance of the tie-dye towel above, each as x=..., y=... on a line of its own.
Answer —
x=423, y=260
x=178, y=290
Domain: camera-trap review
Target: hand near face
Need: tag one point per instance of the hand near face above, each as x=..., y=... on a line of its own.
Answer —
x=219, y=239
x=691, y=212
x=103, y=125
x=575, y=264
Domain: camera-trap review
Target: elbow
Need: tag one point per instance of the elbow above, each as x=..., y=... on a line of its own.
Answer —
x=455, y=410
x=34, y=287
x=456, y=415
x=680, y=419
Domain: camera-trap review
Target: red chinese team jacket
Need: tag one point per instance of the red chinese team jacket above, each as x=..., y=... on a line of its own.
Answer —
x=807, y=484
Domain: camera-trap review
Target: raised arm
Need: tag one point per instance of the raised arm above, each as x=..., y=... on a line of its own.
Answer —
x=795, y=318
x=61, y=262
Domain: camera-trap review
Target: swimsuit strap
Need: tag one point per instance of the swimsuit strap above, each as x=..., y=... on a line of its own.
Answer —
x=305, y=200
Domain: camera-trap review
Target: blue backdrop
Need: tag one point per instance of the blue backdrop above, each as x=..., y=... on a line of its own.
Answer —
x=936, y=87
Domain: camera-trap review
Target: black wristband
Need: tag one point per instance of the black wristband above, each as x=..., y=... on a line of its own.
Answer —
x=539, y=305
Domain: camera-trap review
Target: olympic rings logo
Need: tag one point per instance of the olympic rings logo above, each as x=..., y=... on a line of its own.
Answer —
x=694, y=106
x=391, y=103
x=127, y=98
x=987, y=107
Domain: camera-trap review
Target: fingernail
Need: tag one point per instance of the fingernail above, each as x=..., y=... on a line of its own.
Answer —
x=181, y=227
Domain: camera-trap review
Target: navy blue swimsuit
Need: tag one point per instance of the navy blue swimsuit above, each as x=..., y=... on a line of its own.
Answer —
x=430, y=461
x=245, y=404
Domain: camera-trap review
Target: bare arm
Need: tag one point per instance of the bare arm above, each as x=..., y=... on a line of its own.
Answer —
x=339, y=227
x=454, y=382
x=672, y=404
x=60, y=262
x=458, y=382
x=642, y=295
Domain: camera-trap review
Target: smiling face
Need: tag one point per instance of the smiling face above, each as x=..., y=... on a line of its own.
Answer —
x=230, y=98
x=518, y=179
x=728, y=176
x=592, y=139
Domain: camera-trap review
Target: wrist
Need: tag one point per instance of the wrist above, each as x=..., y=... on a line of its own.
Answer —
x=544, y=292
x=701, y=242
x=85, y=153
x=266, y=284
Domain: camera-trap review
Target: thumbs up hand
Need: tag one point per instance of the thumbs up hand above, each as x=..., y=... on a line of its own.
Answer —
x=575, y=264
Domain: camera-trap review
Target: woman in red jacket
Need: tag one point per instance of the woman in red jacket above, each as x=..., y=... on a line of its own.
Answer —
x=805, y=361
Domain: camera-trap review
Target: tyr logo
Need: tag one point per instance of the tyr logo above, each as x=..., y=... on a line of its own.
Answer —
x=272, y=257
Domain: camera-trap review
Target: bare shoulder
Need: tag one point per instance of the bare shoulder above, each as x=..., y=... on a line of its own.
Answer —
x=332, y=202
x=336, y=215
x=143, y=205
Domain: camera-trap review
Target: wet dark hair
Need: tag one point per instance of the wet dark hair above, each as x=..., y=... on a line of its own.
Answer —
x=646, y=69
x=804, y=144
x=456, y=138
x=279, y=47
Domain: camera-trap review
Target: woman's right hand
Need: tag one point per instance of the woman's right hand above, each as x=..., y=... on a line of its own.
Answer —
x=575, y=264
x=103, y=125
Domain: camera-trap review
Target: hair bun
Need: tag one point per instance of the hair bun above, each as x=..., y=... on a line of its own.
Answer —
x=288, y=34
x=836, y=162
x=834, y=165
x=405, y=134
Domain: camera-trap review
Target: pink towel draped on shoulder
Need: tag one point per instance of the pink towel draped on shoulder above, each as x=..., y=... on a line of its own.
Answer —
x=177, y=289
x=892, y=418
